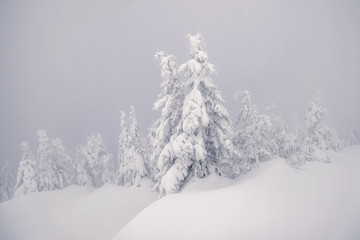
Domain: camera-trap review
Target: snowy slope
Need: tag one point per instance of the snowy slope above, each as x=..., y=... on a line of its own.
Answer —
x=274, y=201
x=320, y=201
x=73, y=213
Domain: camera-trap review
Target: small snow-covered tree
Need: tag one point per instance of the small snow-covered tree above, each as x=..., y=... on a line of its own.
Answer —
x=55, y=168
x=170, y=102
x=7, y=183
x=64, y=164
x=132, y=166
x=203, y=144
x=49, y=177
x=251, y=131
x=123, y=148
x=82, y=178
x=94, y=162
x=149, y=150
x=26, y=181
x=139, y=142
x=316, y=136
x=281, y=142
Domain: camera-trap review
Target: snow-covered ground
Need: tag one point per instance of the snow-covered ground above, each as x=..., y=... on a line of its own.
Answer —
x=320, y=201
x=274, y=201
x=73, y=213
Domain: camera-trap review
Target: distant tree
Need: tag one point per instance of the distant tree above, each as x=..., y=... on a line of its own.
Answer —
x=252, y=132
x=170, y=102
x=132, y=166
x=55, y=168
x=280, y=141
x=64, y=164
x=149, y=150
x=7, y=183
x=123, y=148
x=82, y=178
x=139, y=142
x=316, y=136
x=26, y=177
x=94, y=163
x=203, y=144
x=353, y=136
x=49, y=178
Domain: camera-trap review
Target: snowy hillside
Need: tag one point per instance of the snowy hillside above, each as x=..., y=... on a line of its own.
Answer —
x=273, y=201
x=72, y=213
x=320, y=201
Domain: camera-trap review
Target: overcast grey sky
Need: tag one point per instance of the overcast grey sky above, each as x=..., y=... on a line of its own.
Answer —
x=69, y=66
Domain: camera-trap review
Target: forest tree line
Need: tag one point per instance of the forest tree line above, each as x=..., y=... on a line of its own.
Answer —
x=193, y=137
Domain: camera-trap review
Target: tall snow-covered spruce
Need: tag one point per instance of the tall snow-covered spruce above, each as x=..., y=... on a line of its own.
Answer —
x=167, y=127
x=132, y=165
x=203, y=143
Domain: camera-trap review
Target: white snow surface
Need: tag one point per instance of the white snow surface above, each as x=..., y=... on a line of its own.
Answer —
x=274, y=201
x=73, y=213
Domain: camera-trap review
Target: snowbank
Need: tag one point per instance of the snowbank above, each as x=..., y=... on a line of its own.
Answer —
x=320, y=201
x=73, y=213
x=274, y=201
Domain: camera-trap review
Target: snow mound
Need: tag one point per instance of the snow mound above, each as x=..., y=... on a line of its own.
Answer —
x=274, y=201
x=73, y=213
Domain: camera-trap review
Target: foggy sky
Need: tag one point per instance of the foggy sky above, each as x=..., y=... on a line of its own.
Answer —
x=69, y=66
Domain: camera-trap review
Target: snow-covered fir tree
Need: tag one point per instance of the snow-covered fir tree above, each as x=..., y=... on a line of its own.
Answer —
x=94, y=163
x=54, y=165
x=132, y=152
x=316, y=136
x=64, y=164
x=123, y=148
x=7, y=183
x=49, y=178
x=26, y=181
x=204, y=143
x=149, y=150
x=281, y=142
x=82, y=178
x=170, y=102
x=251, y=132
x=139, y=142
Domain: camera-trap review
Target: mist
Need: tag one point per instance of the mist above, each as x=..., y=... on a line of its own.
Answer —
x=69, y=66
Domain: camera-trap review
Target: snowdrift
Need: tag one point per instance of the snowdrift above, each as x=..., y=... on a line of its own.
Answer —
x=73, y=213
x=274, y=201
